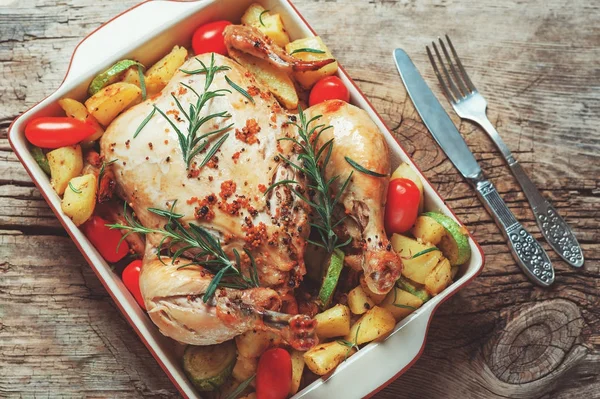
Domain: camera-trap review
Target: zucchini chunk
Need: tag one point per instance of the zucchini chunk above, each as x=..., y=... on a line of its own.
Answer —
x=208, y=367
x=330, y=281
x=455, y=243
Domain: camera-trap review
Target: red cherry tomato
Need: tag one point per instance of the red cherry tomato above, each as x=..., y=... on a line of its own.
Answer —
x=274, y=374
x=329, y=88
x=104, y=239
x=57, y=131
x=208, y=38
x=402, y=205
x=131, y=279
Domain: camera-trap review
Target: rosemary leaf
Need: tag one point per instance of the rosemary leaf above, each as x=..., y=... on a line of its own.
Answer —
x=238, y=88
x=213, y=150
x=260, y=17
x=362, y=169
x=144, y=122
x=103, y=170
x=307, y=50
x=404, y=306
x=423, y=252
x=142, y=82
x=76, y=191
x=240, y=388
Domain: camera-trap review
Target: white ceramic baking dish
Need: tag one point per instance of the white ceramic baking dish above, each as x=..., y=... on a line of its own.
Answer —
x=146, y=32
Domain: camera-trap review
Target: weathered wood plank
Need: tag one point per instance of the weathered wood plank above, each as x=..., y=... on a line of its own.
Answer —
x=536, y=63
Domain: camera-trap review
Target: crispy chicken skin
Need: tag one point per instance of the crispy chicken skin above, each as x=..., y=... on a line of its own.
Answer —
x=357, y=137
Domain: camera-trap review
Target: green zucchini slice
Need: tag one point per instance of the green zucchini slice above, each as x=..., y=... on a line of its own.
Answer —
x=209, y=367
x=455, y=243
x=111, y=75
x=330, y=281
x=40, y=158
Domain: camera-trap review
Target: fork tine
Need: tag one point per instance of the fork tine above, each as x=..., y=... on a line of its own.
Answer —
x=451, y=65
x=453, y=88
x=460, y=66
x=439, y=76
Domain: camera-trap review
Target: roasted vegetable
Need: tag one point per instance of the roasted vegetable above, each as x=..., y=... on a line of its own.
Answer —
x=269, y=24
x=79, y=199
x=208, y=367
x=159, y=74
x=439, y=278
x=374, y=324
x=40, y=158
x=455, y=243
x=323, y=358
x=65, y=163
x=332, y=275
x=418, y=259
x=358, y=301
x=334, y=322
x=111, y=75
x=310, y=49
x=401, y=303
x=109, y=102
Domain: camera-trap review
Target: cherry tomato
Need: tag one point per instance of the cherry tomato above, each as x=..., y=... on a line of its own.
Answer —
x=274, y=374
x=329, y=88
x=131, y=279
x=402, y=205
x=57, y=131
x=208, y=38
x=104, y=239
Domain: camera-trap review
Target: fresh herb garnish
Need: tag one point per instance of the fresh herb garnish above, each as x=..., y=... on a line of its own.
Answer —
x=191, y=143
x=238, y=88
x=144, y=122
x=142, y=82
x=362, y=169
x=349, y=344
x=240, y=388
x=76, y=191
x=314, y=161
x=103, y=169
x=307, y=50
x=209, y=253
x=260, y=17
x=423, y=252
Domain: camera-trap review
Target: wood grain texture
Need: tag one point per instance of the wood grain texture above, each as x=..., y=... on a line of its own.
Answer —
x=537, y=65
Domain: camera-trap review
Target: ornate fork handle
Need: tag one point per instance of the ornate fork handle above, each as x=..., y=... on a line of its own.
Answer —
x=553, y=227
x=528, y=253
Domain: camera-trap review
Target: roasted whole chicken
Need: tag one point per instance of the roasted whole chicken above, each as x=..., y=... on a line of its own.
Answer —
x=228, y=196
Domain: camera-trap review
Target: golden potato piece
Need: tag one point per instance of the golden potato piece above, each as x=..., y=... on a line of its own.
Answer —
x=112, y=100
x=276, y=80
x=269, y=24
x=439, y=278
x=297, y=369
x=308, y=78
x=323, y=358
x=65, y=163
x=401, y=303
x=253, y=343
x=428, y=230
x=79, y=199
x=159, y=74
x=333, y=322
x=358, y=301
x=374, y=324
x=418, y=259
x=245, y=367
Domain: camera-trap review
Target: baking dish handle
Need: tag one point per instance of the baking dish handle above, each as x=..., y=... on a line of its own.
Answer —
x=107, y=40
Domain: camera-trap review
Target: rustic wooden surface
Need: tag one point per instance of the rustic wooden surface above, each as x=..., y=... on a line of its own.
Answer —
x=537, y=64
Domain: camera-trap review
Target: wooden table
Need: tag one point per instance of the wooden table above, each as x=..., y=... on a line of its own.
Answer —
x=536, y=63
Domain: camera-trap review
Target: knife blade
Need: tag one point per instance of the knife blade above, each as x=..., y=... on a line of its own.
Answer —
x=435, y=117
x=525, y=249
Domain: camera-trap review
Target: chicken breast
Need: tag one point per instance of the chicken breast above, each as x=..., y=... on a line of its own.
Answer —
x=227, y=195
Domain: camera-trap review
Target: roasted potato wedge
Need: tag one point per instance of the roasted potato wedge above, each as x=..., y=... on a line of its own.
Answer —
x=297, y=370
x=269, y=24
x=245, y=367
x=323, y=358
x=333, y=322
x=159, y=74
x=439, y=278
x=112, y=100
x=79, y=199
x=401, y=303
x=418, y=259
x=276, y=80
x=253, y=343
x=358, y=301
x=308, y=78
x=428, y=230
x=65, y=163
x=374, y=324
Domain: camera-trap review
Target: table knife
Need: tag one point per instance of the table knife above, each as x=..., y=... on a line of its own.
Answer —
x=526, y=250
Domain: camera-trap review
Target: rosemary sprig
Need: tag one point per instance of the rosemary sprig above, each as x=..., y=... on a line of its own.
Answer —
x=362, y=169
x=76, y=191
x=240, y=388
x=307, y=50
x=260, y=17
x=103, y=169
x=349, y=344
x=192, y=143
x=313, y=163
x=238, y=88
x=209, y=253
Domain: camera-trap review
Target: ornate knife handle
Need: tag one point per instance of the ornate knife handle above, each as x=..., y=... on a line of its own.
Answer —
x=528, y=253
x=553, y=227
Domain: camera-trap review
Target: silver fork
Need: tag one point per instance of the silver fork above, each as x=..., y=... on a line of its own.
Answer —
x=469, y=104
